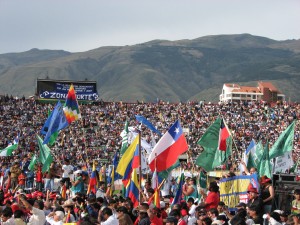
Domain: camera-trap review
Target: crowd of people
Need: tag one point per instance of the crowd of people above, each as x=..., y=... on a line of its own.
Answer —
x=96, y=137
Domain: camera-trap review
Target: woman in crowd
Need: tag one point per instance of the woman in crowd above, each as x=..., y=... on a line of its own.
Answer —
x=267, y=193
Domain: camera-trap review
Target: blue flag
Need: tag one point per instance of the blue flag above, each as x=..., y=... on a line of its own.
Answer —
x=178, y=195
x=55, y=122
x=144, y=121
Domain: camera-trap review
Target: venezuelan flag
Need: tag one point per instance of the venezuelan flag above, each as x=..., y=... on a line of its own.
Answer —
x=93, y=184
x=71, y=108
x=125, y=163
x=133, y=189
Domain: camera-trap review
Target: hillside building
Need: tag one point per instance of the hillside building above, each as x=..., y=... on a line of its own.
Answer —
x=265, y=91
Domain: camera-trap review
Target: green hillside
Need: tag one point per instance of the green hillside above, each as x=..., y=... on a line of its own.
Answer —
x=169, y=70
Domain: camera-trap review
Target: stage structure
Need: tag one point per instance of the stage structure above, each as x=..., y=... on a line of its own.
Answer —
x=53, y=90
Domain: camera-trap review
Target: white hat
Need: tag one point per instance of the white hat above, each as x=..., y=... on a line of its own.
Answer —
x=60, y=214
x=162, y=204
x=78, y=171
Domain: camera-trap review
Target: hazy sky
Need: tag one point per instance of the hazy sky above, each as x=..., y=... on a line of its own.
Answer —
x=81, y=25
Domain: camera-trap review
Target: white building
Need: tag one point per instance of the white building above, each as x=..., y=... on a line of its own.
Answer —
x=264, y=91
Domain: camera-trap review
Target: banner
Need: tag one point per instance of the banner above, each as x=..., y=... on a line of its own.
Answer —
x=233, y=190
x=58, y=90
x=283, y=163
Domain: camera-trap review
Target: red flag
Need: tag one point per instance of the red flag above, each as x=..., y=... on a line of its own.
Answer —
x=168, y=149
x=223, y=135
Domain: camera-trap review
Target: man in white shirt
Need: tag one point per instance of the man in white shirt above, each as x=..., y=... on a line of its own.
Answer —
x=55, y=218
x=67, y=171
x=38, y=215
x=108, y=217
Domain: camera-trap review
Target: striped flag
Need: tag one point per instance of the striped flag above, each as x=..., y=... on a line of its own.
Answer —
x=71, y=108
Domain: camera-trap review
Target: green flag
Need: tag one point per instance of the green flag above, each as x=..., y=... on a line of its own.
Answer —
x=222, y=156
x=255, y=155
x=8, y=150
x=124, y=135
x=32, y=163
x=210, y=138
x=284, y=143
x=45, y=156
x=164, y=174
x=203, y=180
x=265, y=167
x=212, y=157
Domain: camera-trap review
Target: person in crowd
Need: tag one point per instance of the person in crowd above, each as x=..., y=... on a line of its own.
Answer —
x=171, y=220
x=296, y=219
x=267, y=193
x=55, y=218
x=78, y=184
x=15, y=171
x=19, y=217
x=254, y=214
x=143, y=218
x=154, y=216
x=108, y=218
x=39, y=178
x=213, y=214
x=49, y=177
x=296, y=202
x=67, y=169
x=190, y=189
x=176, y=213
x=254, y=200
x=38, y=216
x=213, y=198
x=101, y=190
x=21, y=180
x=7, y=216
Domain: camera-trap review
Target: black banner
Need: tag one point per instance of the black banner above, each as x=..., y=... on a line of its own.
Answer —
x=58, y=90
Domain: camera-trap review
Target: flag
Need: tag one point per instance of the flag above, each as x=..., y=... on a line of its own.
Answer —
x=249, y=155
x=32, y=163
x=64, y=191
x=54, y=136
x=102, y=174
x=124, y=135
x=202, y=180
x=55, y=122
x=11, y=147
x=284, y=143
x=165, y=173
x=45, y=156
x=93, y=183
x=144, y=121
x=156, y=190
x=71, y=108
x=223, y=135
x=133, y=189
x=212, y=156
x=178, y=195
x=68, y=218
x=127, y=157
x=264, y=166
x=167, y=150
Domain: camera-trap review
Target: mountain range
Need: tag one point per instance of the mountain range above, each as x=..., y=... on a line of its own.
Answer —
x=160, y=69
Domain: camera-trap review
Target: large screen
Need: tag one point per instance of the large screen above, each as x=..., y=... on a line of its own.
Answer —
x=58, y=90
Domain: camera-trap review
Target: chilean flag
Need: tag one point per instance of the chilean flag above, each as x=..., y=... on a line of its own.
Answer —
x=223, y=135
x=168, y=149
